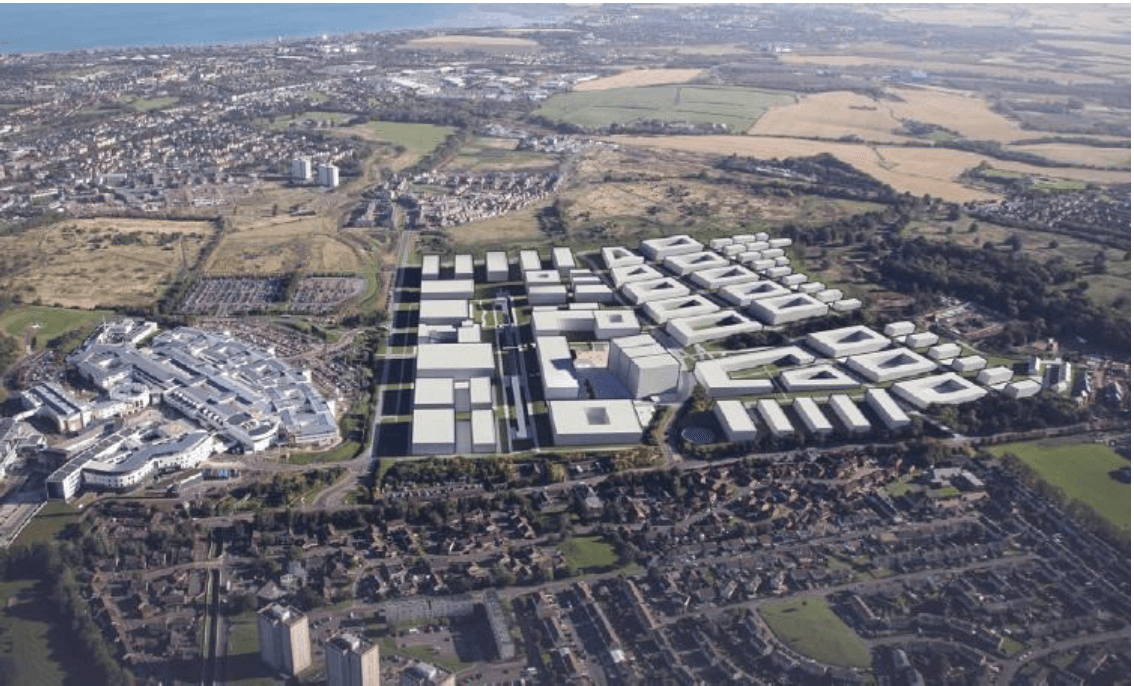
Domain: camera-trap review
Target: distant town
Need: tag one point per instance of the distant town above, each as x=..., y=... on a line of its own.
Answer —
x=692, y=344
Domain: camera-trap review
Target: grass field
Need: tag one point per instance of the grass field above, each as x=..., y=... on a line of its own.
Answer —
x=809, y=627
x=151, y=104
x=48, y=523
x=589, y=553
x=244, y=667
x=633, y=78
x=497, y=154
x=36, y=646
x=284, y=121
x=458, y=41
x=53, y=321
x=917, y=170
x=1080, y=471
x=111, y=262
x=737, y=108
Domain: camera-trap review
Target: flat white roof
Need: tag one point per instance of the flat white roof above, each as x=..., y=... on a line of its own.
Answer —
x=594, y=418
x=898, y=329
x=556, y=366
x=562, y=258
x=944, y=351
x=940, y=389
x=657, y=289
x=463, y=264
x=529, y=260
x=850, y=340
x=890, y=364
x=618, y=256
x=881, y=402
x=430, y=310
x=433, y=392
x=744, y=293
x=447, y=289
x=661, y=311
x=812, y=417
x=434, y=426
x=785, y=308
x=848, y=413
x=816, y=378
x=635, y=272
x=773, y=415
x=691, y=262
x=496, y=260
x=457, y=356
x=735, y=417
x=483, y=427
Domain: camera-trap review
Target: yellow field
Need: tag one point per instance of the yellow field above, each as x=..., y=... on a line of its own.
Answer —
x=1079, y=154
x=77, y=263
x=916, y=170
x=462, y=41
x=967, y=115
x=961, y=66
x=831, y=115
x=639, y=77
x=1109, y=49
x=1088, y=18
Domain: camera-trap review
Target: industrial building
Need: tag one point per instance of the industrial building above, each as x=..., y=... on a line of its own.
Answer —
x=725, y=377
x=887, y=410
x=594, y=422
x=787, y=308
x=285, y=641
x=814, y=421
x=939, y=389
x=850, y=340
x=496, y=266
x=352, y=661
x=447, y=289
x=735, y=420
x=774, y=417
x=451, y=312
x=434, y=431
x=849, y=415
x=455, y=360
x=643, y=366
x=710, y=327
x=658, y=249
x=888, y=365
x=640, y=292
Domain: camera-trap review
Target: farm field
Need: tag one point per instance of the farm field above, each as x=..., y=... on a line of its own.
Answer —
x=35, y=646
x=109, y=262
x=638, y=77
x=737, y=108
x=809, y=626
x=497, y=154
x=916, y=170
x=941, y=63
x=53, y=322
x=1080, y=471
x=1067, y=153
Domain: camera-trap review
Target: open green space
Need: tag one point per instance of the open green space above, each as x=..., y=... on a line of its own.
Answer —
x=150, y=104
x=737, y=108
x=48, y=523
x=809, y=627
x=244, y=667
x=344, y=451
x=34, y=645
x=589, y=552
x=1081, y=471
x=283, y=121
x=53, y=321
x=419, y=139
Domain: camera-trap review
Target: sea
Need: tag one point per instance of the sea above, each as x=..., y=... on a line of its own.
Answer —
x=42, y=27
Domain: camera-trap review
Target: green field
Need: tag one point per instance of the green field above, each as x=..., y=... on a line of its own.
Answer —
x=419, y=139
x=737, y=108
x=48, y=523
x=1080, y=471
x=589, y=553
x=148, y=105
x=244, y=667
x=809, y=627
x=33, y=645
x=283, y=121
x=53, y=321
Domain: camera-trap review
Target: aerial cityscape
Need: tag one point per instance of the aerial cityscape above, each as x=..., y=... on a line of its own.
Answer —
x=565, y=344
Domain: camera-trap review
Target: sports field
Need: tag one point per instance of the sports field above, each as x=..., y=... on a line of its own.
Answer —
x=588, y=552
x=809, y=627
x=1080, y=470
x=53, y=321
x=736, y=108
x=35, y=647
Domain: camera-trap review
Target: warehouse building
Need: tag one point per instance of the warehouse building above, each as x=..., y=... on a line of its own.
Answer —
x=710, y=327
x=657, y=249
x=594, y=422
x=887, y=365
x=939, y=389
x=850, y=340
x=849, y=415
x=774, y=417
x=887, y=410
x=735, y=420
x=434, y=431
x=496, y=266
x=787, y=308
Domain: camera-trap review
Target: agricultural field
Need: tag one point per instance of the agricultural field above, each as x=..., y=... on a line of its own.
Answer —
x=482, y=155
x=809, y=627
x=1081, y=471
x=737, y=108
x=1067, y=153
x=961, y=64
x=52, y=322
x=86, y=263
x=917, y=170
x=32, y=644
x=633, y=78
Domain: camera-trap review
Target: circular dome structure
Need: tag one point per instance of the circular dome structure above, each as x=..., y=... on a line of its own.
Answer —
x=698, y=435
